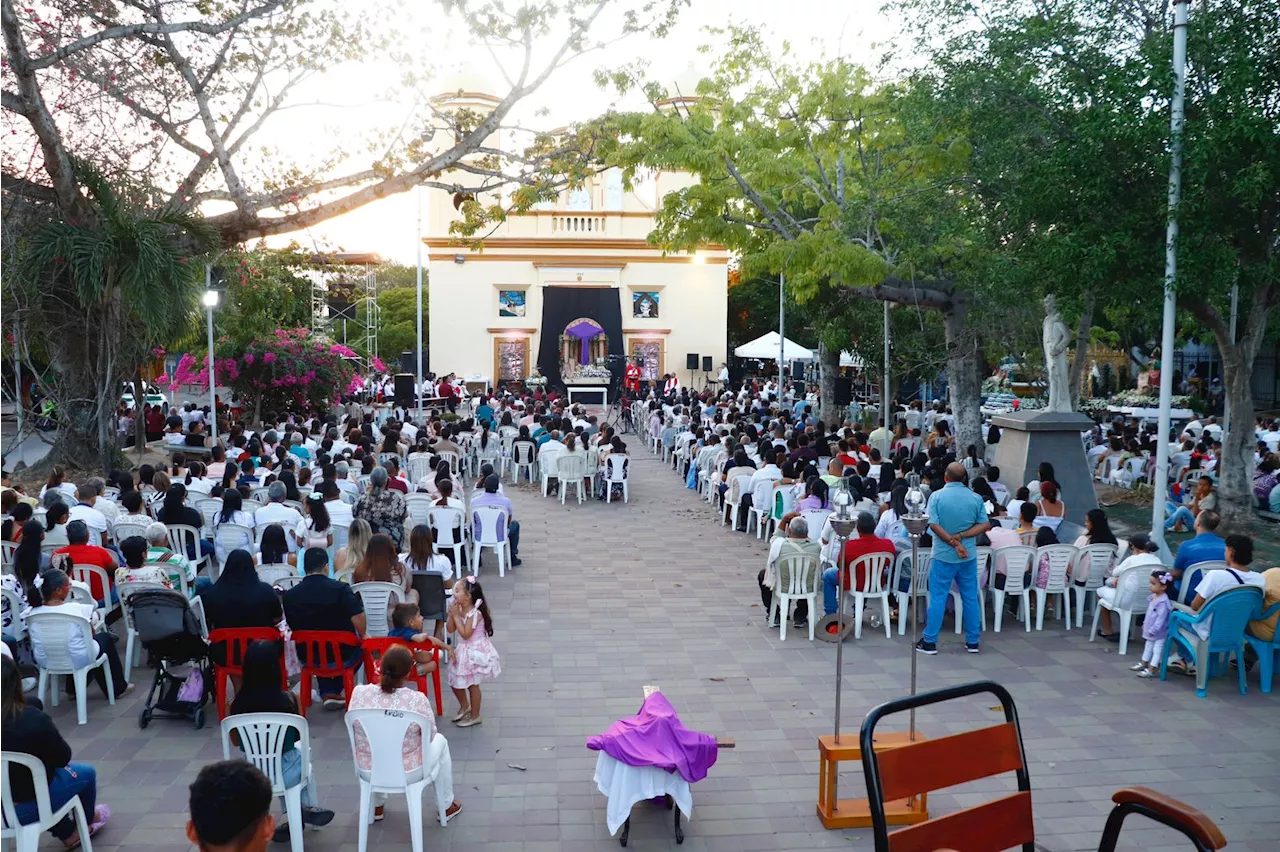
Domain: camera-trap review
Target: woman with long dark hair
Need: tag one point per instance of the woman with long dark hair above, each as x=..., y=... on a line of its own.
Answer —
x=29, y=730
x=263, y=689
x=274, y=547
x=381, y=564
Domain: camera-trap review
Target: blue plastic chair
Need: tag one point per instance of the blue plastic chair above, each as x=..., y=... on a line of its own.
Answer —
x=1267, y=651
x=1231, y=610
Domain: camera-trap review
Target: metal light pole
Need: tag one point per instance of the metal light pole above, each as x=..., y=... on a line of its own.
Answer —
x=884, y=391
x=915, y=522
x=419, y=346
x=842, y=525
x=210, y=302
x=782, y=329
x=1177, y=119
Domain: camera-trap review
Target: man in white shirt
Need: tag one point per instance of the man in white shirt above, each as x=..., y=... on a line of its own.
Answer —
x=1239, y=553
x=548, y=452
x=880, y=439
x=84, y=511
x=275, y=512
x=340, y=512
x=1272, y=437
x=342, y=473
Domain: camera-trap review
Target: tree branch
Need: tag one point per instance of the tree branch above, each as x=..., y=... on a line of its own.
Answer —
x=152, y=28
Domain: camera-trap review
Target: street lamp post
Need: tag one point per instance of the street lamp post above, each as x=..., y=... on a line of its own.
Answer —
x=915, y=522
x=210, y=302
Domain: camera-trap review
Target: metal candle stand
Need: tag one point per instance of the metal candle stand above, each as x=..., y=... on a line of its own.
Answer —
x=856, y=813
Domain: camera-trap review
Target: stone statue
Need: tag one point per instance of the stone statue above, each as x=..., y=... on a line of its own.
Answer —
x=1056, y=341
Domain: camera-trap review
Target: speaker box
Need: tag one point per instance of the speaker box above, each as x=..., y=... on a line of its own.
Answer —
x=409, y=362
x=844, y=390
x=691, y=361
x=706, y=363
x=405, y=395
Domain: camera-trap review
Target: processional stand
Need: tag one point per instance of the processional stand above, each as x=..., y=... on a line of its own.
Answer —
x=856, y=813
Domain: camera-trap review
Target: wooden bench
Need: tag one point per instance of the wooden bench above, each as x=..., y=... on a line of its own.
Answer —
x=916, y=768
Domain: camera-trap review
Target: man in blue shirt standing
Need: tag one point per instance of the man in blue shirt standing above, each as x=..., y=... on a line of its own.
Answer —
x=957, y=517
x=1205, y=546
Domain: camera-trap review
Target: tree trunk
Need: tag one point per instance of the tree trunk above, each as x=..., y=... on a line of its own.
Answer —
x=1083, y=330
x=828, y=370
x=963, y=377
x=1235, y=470
x=139, y=424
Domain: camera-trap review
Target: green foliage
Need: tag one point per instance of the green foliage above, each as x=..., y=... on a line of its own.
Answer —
x=398, y=321
x=265, y=289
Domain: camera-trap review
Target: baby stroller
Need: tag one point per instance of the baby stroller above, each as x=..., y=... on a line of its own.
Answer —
x=170, y=631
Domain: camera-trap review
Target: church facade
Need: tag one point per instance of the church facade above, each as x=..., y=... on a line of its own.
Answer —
x=557, y=291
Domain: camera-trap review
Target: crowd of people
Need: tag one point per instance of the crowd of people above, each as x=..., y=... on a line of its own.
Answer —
x=770, y=460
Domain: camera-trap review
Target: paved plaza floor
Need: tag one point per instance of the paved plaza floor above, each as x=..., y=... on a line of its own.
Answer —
x=612, y=597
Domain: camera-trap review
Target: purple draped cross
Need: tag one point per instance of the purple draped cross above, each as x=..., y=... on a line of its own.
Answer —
x=584, y=331
x=656, y=737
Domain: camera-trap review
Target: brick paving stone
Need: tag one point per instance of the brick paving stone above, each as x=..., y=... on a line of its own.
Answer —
x=611, y=597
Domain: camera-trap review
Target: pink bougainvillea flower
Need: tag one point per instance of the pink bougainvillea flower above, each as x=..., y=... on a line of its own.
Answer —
x=268, y=357
x=377, y=364
x=158, y=352
x=248, y=359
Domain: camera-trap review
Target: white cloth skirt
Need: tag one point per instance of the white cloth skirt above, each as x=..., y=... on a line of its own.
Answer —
x=625, y=785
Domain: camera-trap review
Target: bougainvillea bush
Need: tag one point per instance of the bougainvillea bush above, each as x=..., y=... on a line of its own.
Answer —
x=288, y=370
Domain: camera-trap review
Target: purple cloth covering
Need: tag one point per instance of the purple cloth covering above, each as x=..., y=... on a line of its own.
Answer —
x=584, y=331
x=656, y=737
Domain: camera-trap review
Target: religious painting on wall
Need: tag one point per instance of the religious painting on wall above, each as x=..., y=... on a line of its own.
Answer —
x=649, y=354
x=510, y=303
x=511, y=358
x=644, y=304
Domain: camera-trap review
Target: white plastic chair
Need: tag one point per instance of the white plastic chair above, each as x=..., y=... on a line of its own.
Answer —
x=1190, y=581
x=209, y=508
x=816, y=519
x=521, y=461
x=272, y=573
x=377, y=599
x=15, y=606
x=1130, y=600
x=616, y=473
x=262, y=737
x=124, y=590
x=449, y=524
x=548, y=468
x=128, y=529
x=385, y=731
x=1093, y=562
x=284, y=584
x=571, y=470
x=797, y=580
x=1018, y=560
x=7, y=549
x=51, y=640
x=454, y=461
x=418, y=466
x=918, y=587
x=875, y=566
x=85, y=574
x=489, y=529
x=185, y=540
x=231, y=537
x=418, y=508
x=984, y=580
x=733, y=500
x=761, y=506
x=1061, y=558
x=27, y=837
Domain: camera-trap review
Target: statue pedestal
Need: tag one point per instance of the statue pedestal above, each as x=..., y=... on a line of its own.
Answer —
x=1031, y=437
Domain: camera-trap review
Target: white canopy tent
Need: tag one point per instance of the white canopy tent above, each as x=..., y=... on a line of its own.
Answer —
x=766, y=349
x=848, y=359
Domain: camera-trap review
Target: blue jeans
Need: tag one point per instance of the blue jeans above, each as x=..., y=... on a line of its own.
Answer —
x=830, y=597
x=513, y=535
x=201, y=584
x=941, y=576
x=76, y=779
x=1178, y=513
x=291, y=773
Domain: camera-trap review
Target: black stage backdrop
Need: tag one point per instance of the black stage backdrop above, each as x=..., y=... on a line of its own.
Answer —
x=560, y=307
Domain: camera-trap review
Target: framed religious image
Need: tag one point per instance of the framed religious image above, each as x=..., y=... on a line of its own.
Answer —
x=510, y=359
x=510, y=303
x=644, y=304
x=649, y=353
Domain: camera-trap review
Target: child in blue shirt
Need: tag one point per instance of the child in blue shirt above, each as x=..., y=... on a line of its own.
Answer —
x=406, y=624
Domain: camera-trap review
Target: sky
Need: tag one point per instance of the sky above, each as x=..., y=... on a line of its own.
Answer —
x=814, y=29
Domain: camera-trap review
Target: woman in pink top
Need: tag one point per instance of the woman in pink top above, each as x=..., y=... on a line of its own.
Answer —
x=391, y=694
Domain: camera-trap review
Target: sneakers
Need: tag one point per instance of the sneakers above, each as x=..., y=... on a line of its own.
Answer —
x=318, y=817
x=333, y=702
x=930, y=648
x=1137, y=667
x=971, y=648
x=516, y=561
x=452, y=811
x=1147, y=673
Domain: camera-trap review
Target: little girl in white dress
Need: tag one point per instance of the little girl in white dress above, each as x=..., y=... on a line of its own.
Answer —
x=474, y=659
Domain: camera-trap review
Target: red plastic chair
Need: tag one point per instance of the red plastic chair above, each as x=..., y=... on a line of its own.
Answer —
x=379, y=646
x=237, y=640
x=315, y=647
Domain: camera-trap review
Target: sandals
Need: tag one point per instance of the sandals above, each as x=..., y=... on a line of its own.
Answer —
x=471, y=722
x=101, y=814
x=1183, y=667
